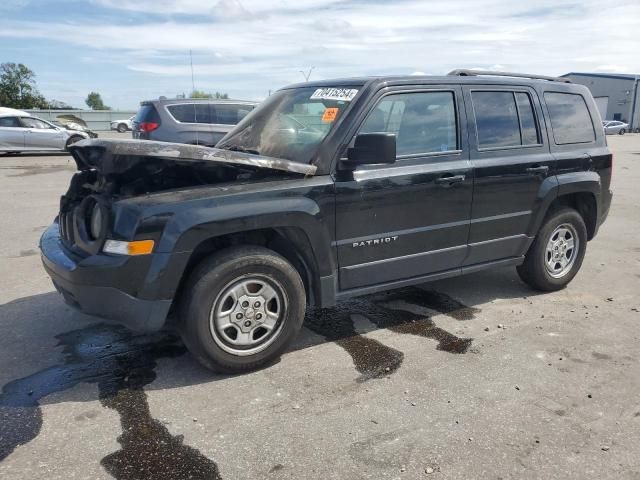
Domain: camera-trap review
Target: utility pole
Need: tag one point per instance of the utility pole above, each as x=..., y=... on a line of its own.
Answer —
x=193, y=83
x=306, y=75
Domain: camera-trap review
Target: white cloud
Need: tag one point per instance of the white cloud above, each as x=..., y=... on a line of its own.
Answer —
x=257, y=45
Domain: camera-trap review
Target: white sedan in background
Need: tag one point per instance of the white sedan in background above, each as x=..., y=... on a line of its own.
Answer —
x=122, y=125
x=20, y=132
x=615, y=127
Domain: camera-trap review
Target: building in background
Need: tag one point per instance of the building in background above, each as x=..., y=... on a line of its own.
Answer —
x=616, y=95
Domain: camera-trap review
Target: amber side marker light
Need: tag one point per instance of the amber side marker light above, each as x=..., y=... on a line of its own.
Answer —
x=118, y=247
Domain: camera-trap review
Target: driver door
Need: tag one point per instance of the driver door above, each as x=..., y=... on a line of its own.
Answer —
x=39, y=135
x=410, y=219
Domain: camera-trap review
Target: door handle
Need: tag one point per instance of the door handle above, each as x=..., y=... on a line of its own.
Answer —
x=450, y=179
x=541, y=169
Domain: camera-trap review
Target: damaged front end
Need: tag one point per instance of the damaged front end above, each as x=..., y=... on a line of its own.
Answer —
x=112, y=170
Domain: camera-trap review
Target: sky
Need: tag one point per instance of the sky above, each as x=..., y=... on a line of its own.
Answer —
x=132, y=50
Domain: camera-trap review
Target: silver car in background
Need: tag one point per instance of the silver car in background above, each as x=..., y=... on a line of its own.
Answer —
x=615, y=127
x=191, y=121
x=20, y=132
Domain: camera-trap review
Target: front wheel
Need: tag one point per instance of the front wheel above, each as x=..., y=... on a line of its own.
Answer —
x=622, y=131
x=557, y=252
x=72, y=140
x=241, y=308
x=122, y=128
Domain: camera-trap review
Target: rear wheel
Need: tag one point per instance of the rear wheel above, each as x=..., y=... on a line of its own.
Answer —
x=557, y=252
x=122, y=128
x=637, y=130
x=242, y=307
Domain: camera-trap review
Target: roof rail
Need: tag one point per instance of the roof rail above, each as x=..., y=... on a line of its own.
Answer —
x=462, y=72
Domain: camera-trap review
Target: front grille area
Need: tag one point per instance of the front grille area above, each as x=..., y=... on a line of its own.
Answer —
x=65, y=220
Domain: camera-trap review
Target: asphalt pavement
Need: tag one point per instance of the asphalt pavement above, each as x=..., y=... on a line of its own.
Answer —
x=477, y=377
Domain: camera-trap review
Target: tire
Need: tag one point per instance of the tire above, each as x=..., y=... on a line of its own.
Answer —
x=622, y=131
x=536, y=270
x=637, y=130
x=72, y=140
x=122, y=128
x=217, y=294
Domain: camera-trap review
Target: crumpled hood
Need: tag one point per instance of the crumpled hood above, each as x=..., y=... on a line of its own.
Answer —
x=72, y=122
x=117, y=156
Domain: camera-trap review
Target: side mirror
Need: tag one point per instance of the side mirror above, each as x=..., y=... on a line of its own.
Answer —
x=371, y=148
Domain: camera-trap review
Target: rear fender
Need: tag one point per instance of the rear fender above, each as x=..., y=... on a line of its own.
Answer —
x=560, y=185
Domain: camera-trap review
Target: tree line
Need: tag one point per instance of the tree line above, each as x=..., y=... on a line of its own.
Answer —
x=18, y=89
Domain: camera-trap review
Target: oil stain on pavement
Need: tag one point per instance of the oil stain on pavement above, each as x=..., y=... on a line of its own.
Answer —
x=373, y=359
x=121, y=364
x=370, y=357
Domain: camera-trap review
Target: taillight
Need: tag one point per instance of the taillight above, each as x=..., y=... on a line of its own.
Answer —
x=148, y=126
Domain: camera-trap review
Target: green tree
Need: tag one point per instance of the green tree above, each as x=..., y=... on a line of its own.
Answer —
x=202, y=94
x=94, y=102
x=18, y=87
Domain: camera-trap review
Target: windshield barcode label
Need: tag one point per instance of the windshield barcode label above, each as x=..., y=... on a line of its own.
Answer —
x=344, y=94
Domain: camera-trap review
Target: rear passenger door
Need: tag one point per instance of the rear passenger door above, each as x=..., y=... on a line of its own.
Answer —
x=511, y=161
x=11, y=134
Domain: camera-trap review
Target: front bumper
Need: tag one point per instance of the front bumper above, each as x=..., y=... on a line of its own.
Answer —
x=92, y=284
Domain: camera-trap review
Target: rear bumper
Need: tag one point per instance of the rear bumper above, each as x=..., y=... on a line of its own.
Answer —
x=90, y=285
x=606, y=206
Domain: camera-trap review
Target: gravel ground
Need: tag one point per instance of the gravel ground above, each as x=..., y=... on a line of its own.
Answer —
x=475, y=377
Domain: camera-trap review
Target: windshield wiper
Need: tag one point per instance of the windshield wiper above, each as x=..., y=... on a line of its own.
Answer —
x=237, y=148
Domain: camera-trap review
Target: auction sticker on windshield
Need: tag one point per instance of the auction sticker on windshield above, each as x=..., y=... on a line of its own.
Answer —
x=344, y=94
x=330, y=114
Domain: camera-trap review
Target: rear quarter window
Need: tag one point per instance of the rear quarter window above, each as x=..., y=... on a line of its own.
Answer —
x=570, y=118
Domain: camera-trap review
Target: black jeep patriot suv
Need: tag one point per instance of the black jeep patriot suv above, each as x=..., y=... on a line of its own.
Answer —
x=329, y=190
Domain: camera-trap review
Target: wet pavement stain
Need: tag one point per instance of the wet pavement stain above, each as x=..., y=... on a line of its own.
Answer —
x=38, y=169
x=26, y=253
x=372, y=358
x=121, y=364
x=424, y=326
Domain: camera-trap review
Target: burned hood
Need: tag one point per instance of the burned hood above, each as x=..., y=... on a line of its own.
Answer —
x=118, y=156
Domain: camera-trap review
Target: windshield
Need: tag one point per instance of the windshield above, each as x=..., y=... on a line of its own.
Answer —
x=290, y=124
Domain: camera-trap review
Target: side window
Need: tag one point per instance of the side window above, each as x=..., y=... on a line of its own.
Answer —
x=570, y=119
x=229, y=114
x=504, y=119
x=31, y=122
x=528, y=128
x=423, y=122
x=9, y=122
x=191, y=112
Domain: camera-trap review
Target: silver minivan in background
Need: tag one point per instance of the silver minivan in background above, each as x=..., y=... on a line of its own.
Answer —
x=20, y=132
x=191, y=121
